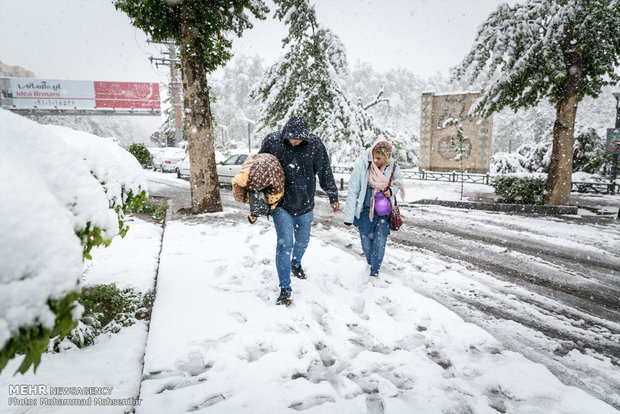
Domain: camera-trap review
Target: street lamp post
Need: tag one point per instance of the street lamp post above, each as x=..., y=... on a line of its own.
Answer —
x=251, y=123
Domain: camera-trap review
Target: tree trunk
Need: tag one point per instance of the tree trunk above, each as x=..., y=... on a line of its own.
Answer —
x=561, y=168
x=204, y=186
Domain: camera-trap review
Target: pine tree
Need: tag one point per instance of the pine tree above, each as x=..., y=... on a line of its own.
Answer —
x=560, y=50
x=199, y=27
x=305, y=81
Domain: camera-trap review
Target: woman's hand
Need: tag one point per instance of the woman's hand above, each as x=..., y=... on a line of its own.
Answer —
x=387, y=193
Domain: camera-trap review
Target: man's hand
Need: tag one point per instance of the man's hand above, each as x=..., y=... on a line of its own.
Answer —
x=335, y=206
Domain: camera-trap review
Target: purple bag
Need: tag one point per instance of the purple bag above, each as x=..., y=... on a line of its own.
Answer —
x=382, y=204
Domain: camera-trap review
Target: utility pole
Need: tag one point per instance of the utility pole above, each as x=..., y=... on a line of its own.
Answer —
x=175, y=87
x=614, y=157
x=249, y=139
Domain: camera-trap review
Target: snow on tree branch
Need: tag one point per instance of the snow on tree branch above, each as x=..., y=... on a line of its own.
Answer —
x=375, y=101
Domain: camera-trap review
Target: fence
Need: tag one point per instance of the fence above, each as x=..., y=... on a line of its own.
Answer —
x=596, y=188
x=454, y=177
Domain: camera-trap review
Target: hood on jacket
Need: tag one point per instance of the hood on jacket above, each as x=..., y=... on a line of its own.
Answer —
x=295, y=128
x=378, y=140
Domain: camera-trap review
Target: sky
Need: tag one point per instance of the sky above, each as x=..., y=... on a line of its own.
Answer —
x=91, y=40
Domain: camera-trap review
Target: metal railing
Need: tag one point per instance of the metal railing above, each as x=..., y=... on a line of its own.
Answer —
x=486, y=179
x=431, y=176
x=593, y=187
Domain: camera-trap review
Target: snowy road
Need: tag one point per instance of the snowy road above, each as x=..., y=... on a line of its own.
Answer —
x=546, y=287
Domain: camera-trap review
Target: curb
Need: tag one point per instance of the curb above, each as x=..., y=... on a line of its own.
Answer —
x=510, y=208
x=148, y=326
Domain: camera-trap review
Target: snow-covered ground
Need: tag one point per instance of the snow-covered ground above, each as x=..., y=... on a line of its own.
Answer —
x=218, y=344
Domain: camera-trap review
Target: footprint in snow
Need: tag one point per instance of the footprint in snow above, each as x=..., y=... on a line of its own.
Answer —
x=239, y=317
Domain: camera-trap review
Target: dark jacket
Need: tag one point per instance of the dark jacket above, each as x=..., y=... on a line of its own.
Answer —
x=301, y=165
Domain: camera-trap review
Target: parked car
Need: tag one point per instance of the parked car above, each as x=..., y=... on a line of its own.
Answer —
x=166, y=160
x=230, y=167
x=153, y=151
x=182, y=168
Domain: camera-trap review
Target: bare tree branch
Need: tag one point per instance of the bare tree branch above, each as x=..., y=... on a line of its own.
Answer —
x=377, y=100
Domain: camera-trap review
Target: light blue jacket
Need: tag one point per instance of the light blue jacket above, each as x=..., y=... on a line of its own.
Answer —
x=358, y=182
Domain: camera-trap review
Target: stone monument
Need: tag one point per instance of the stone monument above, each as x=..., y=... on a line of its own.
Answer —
x=437, y=153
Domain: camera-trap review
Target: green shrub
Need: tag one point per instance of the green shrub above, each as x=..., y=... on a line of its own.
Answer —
x=140, y=152
x=130, y=202
x=107, y=309
x=151, y=208
x=33, y=340
x=524, y=190
x=91, y=236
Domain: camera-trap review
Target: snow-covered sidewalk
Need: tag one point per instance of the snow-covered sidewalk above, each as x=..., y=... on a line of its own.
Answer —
x=113, y=364
x=217, y=343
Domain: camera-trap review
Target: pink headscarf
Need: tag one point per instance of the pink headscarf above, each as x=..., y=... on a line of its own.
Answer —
x=376, y=179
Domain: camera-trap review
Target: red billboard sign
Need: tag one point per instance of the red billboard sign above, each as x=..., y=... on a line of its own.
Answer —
x=127, y=95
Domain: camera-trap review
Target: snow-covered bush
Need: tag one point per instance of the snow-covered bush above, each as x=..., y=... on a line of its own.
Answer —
x=530, y=157
x=589, y=153
x=522, y=190
x=106, y=309
x=117, y=170
x=588, y=156
x=507, y=163
x=536, y=156
x=55, y=208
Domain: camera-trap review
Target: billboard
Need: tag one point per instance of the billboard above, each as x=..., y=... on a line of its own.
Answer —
x=67, y=95
x=126, y=95
x=30, y=93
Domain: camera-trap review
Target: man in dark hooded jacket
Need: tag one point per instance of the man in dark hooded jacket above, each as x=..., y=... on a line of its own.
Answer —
x=302, y=156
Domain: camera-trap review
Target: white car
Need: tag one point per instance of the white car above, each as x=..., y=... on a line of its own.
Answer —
x=152, y=153
x=228, y=169
x=182, y=168
x=166, y=160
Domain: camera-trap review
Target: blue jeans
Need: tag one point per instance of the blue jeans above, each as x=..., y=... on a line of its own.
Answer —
x=293, y=236
x=373, y=235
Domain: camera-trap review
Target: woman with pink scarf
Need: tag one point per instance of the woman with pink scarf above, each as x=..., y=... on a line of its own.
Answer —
x=368, y=185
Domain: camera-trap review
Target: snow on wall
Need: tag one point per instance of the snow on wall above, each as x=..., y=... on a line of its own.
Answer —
x=48, y=194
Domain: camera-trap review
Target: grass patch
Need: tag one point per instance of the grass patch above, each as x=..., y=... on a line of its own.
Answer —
x=107, y=309
x=153, y=208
